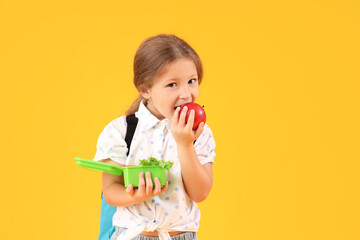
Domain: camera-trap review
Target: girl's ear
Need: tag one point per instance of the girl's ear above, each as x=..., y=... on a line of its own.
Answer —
x=145, y=93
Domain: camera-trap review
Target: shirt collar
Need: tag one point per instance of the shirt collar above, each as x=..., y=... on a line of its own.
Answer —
x=149, y=119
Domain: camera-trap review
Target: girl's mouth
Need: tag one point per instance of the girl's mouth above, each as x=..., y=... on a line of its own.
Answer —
x=179, y=105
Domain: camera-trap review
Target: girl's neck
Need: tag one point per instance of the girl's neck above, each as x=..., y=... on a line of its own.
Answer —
x=153, y=111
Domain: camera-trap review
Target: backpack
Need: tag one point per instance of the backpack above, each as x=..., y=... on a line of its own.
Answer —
x=107, y=212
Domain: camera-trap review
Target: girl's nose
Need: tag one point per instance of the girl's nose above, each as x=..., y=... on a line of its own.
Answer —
x=185, y=93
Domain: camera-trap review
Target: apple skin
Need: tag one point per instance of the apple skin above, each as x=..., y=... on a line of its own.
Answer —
x=200, y=115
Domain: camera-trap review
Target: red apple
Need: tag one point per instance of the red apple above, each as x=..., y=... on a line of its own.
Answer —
x=200, y=115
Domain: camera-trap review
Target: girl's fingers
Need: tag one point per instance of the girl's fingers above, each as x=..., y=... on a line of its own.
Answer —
x=130, y=190
x=157, y=189
x=183, y=115
x=190, y=122
x=164, y=188
x=175, y=118
x=141, y=187
x=199, y=130
x=149, y=184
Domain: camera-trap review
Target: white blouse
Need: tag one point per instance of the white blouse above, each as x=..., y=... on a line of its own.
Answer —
x=172, y=210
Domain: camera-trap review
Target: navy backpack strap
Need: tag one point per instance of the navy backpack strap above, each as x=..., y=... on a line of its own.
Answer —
x=131, y=121
x=107, y=211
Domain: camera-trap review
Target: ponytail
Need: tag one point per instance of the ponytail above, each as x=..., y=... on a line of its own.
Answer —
x=135, y=105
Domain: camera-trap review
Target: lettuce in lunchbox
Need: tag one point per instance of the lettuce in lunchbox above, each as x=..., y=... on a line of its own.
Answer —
x=153, y=162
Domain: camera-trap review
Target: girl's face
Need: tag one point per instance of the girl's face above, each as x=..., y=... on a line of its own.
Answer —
x=176, y=86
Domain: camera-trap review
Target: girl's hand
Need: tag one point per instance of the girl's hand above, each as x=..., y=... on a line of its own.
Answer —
x=146, y=191
x=183, y=132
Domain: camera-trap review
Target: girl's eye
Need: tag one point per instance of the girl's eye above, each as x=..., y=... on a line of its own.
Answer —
x=171, y=85
x=192, y=81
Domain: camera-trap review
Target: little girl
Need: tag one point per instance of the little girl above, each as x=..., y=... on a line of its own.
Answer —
x=167, y=74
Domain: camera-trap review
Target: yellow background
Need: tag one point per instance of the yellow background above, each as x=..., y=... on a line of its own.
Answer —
x=281, y=92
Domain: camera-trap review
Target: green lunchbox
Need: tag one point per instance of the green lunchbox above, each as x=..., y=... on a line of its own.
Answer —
x=131, y=174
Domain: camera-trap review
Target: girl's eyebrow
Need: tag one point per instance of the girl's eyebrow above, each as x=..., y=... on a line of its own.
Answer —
x=195, y=74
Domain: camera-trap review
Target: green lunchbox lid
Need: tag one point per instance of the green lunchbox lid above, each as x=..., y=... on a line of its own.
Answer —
x=100, y=166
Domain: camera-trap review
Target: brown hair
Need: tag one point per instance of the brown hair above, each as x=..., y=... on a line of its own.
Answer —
x=152, y=58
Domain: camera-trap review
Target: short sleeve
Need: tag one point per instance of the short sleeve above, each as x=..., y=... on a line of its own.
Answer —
x=205, y=146
x=111, y=142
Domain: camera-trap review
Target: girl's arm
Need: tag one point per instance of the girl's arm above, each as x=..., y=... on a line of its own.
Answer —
x=115, y=193
x=197, y=178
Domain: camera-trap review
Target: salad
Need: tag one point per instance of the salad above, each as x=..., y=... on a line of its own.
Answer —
x=155, y=162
